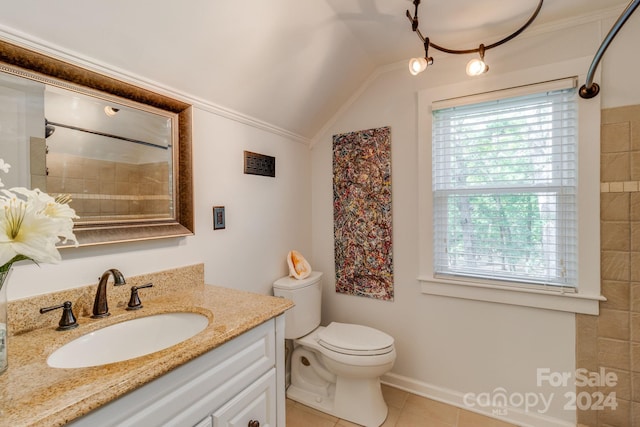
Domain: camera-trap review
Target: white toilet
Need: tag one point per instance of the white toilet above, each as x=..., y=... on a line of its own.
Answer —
x=335, y=369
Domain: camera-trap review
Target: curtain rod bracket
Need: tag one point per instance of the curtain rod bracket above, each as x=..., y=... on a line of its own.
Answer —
x=589, y=92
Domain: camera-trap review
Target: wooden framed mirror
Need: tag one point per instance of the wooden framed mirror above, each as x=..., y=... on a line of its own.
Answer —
x=122, y=152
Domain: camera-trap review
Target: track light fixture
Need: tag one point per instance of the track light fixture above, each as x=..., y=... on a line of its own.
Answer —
x=476, y=66
x=418, y=65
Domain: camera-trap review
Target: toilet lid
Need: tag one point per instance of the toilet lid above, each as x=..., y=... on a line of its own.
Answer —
x=355, y=339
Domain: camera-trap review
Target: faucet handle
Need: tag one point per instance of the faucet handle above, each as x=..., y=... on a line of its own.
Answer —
x=68, y=320
x=134, y=301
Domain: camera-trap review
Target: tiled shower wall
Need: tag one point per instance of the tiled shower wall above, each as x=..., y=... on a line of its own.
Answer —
x=103, y=189
x=611, y=341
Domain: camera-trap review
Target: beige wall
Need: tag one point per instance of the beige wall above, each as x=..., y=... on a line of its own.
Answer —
x=612, y=340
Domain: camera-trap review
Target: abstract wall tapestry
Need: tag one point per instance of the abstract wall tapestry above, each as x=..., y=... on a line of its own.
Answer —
x=362, y=213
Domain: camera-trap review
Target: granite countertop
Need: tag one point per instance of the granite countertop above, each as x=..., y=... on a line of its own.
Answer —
x=33, y=394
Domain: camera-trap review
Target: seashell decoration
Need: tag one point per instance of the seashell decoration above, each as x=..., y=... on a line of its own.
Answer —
x=298, y=266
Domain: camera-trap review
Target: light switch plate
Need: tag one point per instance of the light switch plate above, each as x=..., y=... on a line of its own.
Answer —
x=219, y=221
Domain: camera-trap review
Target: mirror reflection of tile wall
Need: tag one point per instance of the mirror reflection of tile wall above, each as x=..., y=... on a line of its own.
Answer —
x=102, y=190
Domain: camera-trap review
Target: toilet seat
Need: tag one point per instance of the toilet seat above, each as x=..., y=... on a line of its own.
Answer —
x=356, y=340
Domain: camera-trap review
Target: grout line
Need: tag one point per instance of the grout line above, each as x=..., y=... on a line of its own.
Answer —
x=620, y=187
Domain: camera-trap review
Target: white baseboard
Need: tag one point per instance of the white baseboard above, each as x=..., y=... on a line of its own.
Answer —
x=514, y=416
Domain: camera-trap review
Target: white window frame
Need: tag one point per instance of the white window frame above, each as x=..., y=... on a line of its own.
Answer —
x=587, y=295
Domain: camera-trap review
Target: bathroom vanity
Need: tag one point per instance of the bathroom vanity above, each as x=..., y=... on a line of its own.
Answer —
x=228, y=386
x=230, y=374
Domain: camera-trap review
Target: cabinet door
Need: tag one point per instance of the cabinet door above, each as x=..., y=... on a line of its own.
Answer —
x=256, y=403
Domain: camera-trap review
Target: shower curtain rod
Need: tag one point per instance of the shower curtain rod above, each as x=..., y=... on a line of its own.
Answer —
x=591, y=89
x=108, y=135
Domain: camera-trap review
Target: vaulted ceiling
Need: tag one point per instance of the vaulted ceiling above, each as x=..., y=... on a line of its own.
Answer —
x=290, y=64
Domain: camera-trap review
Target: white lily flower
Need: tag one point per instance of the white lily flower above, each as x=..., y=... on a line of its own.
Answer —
x=31, y=223
x=23, y=232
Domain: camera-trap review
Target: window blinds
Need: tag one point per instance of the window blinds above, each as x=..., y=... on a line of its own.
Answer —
x=504, y=188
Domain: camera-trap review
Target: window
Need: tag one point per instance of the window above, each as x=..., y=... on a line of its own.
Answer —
x=504, y=189
x=508, y=172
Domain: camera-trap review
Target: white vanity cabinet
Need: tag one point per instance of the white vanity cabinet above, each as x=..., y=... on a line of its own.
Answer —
x=240, y=383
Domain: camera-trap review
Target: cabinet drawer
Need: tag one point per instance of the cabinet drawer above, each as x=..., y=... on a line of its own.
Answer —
x=257, y=402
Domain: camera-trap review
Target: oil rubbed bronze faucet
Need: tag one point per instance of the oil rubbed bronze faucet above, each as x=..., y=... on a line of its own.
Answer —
x=100, y=306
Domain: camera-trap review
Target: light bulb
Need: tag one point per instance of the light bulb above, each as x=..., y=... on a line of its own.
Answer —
x=476, y=66
x=417, y=65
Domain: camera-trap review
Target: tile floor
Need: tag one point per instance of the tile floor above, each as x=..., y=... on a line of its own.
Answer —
x=405, y=410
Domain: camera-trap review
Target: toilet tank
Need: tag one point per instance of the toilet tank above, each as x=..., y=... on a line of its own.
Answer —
x=306, y=294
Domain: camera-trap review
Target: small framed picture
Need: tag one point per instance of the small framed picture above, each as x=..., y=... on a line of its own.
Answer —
x=218, y=217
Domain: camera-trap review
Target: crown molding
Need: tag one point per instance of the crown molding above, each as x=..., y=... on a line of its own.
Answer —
x=587, y=18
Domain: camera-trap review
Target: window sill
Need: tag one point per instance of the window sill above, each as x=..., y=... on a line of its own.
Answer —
x=545, y=299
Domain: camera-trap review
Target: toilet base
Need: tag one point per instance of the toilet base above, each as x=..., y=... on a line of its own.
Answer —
x=310, y=399
x=358, y=400
x=370, y=416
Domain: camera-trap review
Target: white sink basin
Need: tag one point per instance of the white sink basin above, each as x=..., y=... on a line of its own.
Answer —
x=127, y=340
